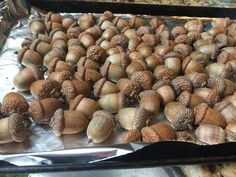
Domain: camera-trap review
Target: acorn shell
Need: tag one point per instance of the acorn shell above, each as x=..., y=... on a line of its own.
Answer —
x=103, y=87
x=132, y=136
x=150, y=100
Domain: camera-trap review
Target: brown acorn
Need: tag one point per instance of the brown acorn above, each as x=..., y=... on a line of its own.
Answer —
x=103, y=87
x=181, y=84
x=136, y=21
x=86, y=21
x=222, y=70
x=123, y=83
x=73, y=32
x=109, y=33
x=150, y=100
x=206, y=115
x=42, y=111
x=210, y=96
x=161, y=50
x=60, y=44
x=180, y=117
x=183, y=49
x=232, y=99
x=53, y=17
x=85, y=105
x=120, y=59
x=133, y=43
x=144, y=78
x=166, y=92
x=37, y=26
x=57, y=65
x=112, y=102
x=221, y=22
x=158, y=132
x=14, y=103
x=57, y=33
x=204, y=42
x=24, y=78
x=132, y=136
x=194, y=25
x=120, y=40
x=68, y=122
x=185, y=136
x=129, y=32
x=189, y=100
x=86, y=39
x=173, y=63
x=70, y=89
x=161, y=72
x=87, y=63
x=41, y=47
x=74, y=55
x=212, y=50
x=87, y=74
x=67, y=22
x=197, y=79
x=132, y=90
x=227, y=110
x=135, y=55
x=189, y=65
x=178, y=30
x=144, y=50
x=96, y=53
x=230, y=132
x=54, y=53
x=60, y=77
x=153, y=61
x=114, y=50
x=50, y=26
x=200, y=57
x=120, y=23
x=41, y=89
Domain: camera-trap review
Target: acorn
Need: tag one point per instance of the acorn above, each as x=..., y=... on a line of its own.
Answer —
x=224, y=86
x=41, y=89
x=114, y=50
x=14, y=103
x=26, y=43
x=144, y=50
x=153, y=61
x=73, y=42
x=60, y=77
x=189, y=100
x=54, y=53
x=133, y=43
x=13, y=129
x=112, y=72
x=136, y=55
x=189, y=65
x=87, y=63
x=197, y=79
x=207, y=35
x=53, y=17
x=185, y=136
x=150, y=100
x=109, y=33
x=37, y=26
x=210, y=134
x=206, y=115
x=96, y=53
x=57, y=65
x=223, y=40
x=173, y=63
x=222, y=70
x=179, y=116
x=194, y=25
x=123, y=83
x=225, y=58
x=105, y=45
x=181, y=84
x=25, y=77
x=103, y=87
x=225, y=22
x=113, y=102
x=149, y=39
x=120, y=40
x=132, y=136
x=200, y=57
x=70, y=89
x=80, y=103
x=136, y=22
x=161, y=72
x=155, y=22
x=57, y=33
x=95, y=31
x=132, y=118
x=210, y=96
x=67, y=122
x=183, y=39
x=106, y=23
x=129, y=32
x=73, y=32
x=87, y=75
x=194, y=36
x=131, y=90
x=216, y=30
x=42, y=111
x=41, y=47
x=212, y=50
x=158, y=132
x=86, y=21
x=100, y=127
x=202, y=42
x=230, y=132
x=227, y=110
x=74, y=55
x=120, y=59
x=28, y=56
x=161, y=50
x=50, y=26
x=86, y=39
x=120, y=23
x=165, y=91
x=60, y=44
x=134, y=66
x=67, y=22
x=183, y=49
x=178, y=30
x=232, y=99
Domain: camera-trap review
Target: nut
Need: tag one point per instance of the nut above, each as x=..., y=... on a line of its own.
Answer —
x=120, y=23
x=95, y=31
x=120, y=59
x=87, y=63
x=189, y=65
x=74, y=55
x=86, y=39
x=222, y=70
x=183, y=49
x=212, y=50
x=173, y=63
x=161, y=72
x=54, y=53
x=181, y=84
x=210, y=96
x=144, y=78
x=194, y=25
x=60, y=77
x=57, y=65
x=37, y=26
x=132, y=136
x=153, y=61
x=53, y=17
x=120, y=40
x=201, y=58
x=87, y=74
x=197, y=79
x=189, y=100
x=103, y=87
x=96, y=53
x=136, y=22
x=41, y=47
x=230, y=132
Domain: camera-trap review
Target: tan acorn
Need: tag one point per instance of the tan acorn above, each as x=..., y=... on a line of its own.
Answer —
x=67, y=22
x=120, y=59
x=100, y=127
x=54, y=53
x=70, y=89
x=158, y=132
x=212, y=50
x=225, y=58
x=210, y=134
x=185, y=136
x=13, y=129
x=194, y=36
x=53, y=17
x=223, y=40
x=197, y=79
x=200, y=57
x=60, y=44
x=87, y=74
x=41, y=89
x=28, y=56
x=144, y=78
x=189, y=100
x=25, y=77
x=232, y=99
x=120, y=23
x=136, y=21
x=132, y=136
x=189, y=65
x=221, y=22
x=103, y=87
x=131, y=90
x=204, y=42
x=135, y=55
x=123, y=83
x=161, y=50
x=86, y=21
x=60, y=77
x=74, y=55
x=173, y=63
x=133, y=43
x=132, y=118
x=14, y=103
x=183, y=39
x=37, y=26
x=144, y=50
x=206, y=115
x=112, y=72
x=194, y=25
x=216, y=30
x=42, y=111
x=180, y=84
x=161, y=72
x=85, y=105
x=41, y=47
x=150, y=100
x=73, y=42
x=109, y=33
x=57, y=65
x=222, y=70
x=50, y=26
x=129, y=32
x=178, y=30
x=86, y=39
x=153, y=61
x=87, y=63
x=230, y=132
x=227, y=110
x=113, y=102
x=114, y=50
x=155, y=22
x=207, y=35
x=210, y=96
x=57, y=33
x=166, y=92
x=67, y=122
x=179, y=116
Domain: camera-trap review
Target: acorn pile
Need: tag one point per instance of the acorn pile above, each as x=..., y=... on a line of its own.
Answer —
x=111, y=72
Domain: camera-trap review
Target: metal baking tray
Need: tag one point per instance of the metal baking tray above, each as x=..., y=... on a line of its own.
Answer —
x=117, y=156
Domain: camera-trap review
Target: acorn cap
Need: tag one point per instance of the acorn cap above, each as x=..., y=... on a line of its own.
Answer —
x=36, y=70
x=150, y=135
x=63, y=75
x=144, y=78
x=52, y=64
x=68, y=90
x=183, y=49
x=75, y=102
x=133, y=89
x=161, y=72
x=161, y=83
x=217, y=83
x=73, y=32
x=220, y=106
x=36, y=110
x=34, y=44
x=148, y=93
x=185, y=136
x=17, y=127
x=197, y=79
x=96, y=53
x=121, y=40
x=80, y=74
x=105, y=68
x=141, y=118
x=228, y=71
x=213, y=97
x=21, y=53
x=14, y=103
x=132, y=136
x=98, y=86
x=57, y=122
x=107, y=115
x=199, y=112
x=185, y=98
x=181, y=84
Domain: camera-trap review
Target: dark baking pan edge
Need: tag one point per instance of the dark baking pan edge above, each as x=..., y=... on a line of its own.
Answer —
x=155, y=155
x=74, y=6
